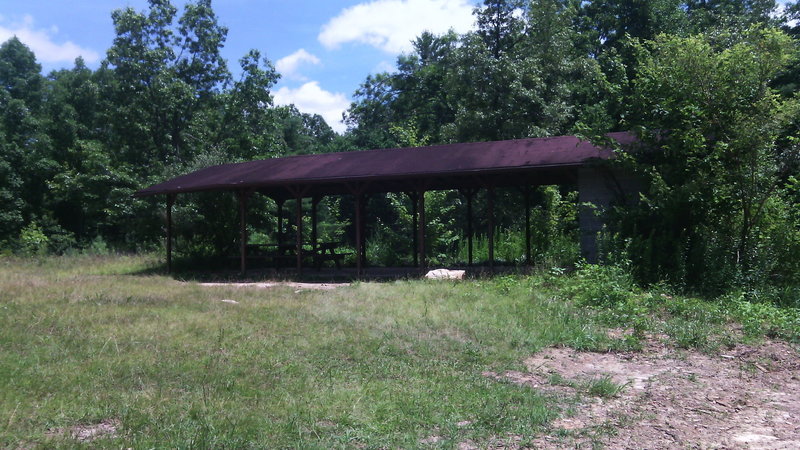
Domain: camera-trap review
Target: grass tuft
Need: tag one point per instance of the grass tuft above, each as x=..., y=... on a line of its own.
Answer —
x=604, y=387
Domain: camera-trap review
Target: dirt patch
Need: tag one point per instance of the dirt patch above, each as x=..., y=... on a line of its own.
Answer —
x=272, y=284
x=747, y=397
x=87, y=433
x=430, y=440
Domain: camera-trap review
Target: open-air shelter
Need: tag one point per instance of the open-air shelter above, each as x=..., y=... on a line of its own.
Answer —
x=467, y=167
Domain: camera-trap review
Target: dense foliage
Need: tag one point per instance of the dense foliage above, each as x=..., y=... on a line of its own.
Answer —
x=710, y=86
x=77, y=143
x=715, y=210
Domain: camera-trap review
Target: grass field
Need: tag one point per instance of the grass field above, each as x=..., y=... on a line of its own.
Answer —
x=85, y=340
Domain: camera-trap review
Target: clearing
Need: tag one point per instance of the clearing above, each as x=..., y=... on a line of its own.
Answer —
x=103, y=350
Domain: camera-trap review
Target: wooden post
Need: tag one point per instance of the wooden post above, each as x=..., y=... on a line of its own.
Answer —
x=170, y=203
x=279, y=213
x=364, y=202
x=527, y=194
x=242, y=230
x=314, y=204
x=490, y=207
x=469, y=194
x=298, y=209
x=413, y=197
x=359, y=231
x=421, y=230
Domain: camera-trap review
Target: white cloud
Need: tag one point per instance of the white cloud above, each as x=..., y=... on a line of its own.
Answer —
x=384, y=66
x=780, y=13
x=312, y=99
x=391, y=25
x=288, y=65
x=42, y=42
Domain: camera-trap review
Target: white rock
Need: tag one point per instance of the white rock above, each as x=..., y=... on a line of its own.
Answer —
x=445, y=274
x=232, y=302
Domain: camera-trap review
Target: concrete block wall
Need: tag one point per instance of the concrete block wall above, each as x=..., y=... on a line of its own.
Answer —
x=602, y=188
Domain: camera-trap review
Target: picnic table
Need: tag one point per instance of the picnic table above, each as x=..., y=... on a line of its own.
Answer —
x=285, y=255
x=326, y=251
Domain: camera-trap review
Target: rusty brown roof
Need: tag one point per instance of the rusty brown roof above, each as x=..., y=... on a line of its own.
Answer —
x=451, y=162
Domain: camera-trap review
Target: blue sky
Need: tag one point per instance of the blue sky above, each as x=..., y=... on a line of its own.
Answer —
x=323, y=48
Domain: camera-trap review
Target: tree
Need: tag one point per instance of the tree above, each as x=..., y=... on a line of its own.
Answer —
x=499, y=26
x=424, y=101
x=607, y=24
x=789, y=81
x=76, y=117
x=163, y=77
x=705, y=15
x=249, y=126
x=20, y=74
x=526, y=90
x=714, y=172
x=303, y=133
x=370, y=116
x=25, y=151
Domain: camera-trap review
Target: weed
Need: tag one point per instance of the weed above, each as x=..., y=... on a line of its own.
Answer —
x=604, y=387
x=766, y=318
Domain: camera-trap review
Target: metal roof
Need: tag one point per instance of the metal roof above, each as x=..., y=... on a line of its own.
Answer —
x=439, y=167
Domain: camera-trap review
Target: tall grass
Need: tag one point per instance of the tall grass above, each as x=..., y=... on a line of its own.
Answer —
x=86, y=339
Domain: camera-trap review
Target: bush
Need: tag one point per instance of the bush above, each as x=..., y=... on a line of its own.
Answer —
x=32, y=240
x=98, y=246
x=763, y=318
x=601, y=285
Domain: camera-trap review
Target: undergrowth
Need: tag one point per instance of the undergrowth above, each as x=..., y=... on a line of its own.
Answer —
x=690, y=322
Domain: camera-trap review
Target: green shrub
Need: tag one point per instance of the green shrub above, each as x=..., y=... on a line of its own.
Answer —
x=601, y=285
x=761, y=318
x=98, y=246
x=32, y=240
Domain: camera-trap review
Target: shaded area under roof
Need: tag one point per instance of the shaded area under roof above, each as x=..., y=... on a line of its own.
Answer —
x=549, y=160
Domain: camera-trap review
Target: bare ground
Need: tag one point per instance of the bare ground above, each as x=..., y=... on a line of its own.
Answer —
x=88, y=432
x=272, y=284
x=746, y=397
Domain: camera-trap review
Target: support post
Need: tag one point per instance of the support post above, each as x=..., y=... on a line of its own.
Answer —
x=314, y=204
x=527, y=194
x=421, y=230
x=469, y=194
x=170, y=203
x=364, y=230
x=298, y=209
x=279, y=213
x=359, y=232
x=490, y=207
x=242, y=230
x=413, y=197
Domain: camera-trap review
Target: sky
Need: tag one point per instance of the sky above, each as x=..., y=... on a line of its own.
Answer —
x=323, y=48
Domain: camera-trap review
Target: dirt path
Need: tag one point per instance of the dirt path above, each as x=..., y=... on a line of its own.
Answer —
x=271, y=284
x=747, y=397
